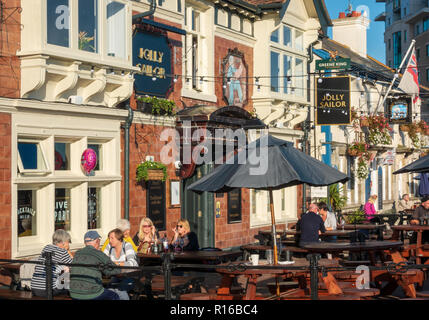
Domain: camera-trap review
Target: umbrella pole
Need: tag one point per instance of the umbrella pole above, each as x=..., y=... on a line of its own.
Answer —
x=273, y=224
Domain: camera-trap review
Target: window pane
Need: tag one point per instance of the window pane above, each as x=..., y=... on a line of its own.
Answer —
x=397, y=49
x=299, y=79
x=27, y=216
x=58, y=22
x=116, y=24
x=275, y=36
x=62, y=209
x=31, y=156
x=94, y=214
x=299, y=40
x=88, y=26
x=62, y=156
x=96, y=148
x=287, y=71
x=287, y=36
x=274, y=71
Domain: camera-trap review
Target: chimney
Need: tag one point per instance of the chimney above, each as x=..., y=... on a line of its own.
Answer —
x=350, y=29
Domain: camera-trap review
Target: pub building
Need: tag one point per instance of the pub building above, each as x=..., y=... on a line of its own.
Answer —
x=65, y=88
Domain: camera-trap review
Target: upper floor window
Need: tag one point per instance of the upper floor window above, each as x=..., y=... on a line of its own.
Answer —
x=425, y=24
x=86, y=29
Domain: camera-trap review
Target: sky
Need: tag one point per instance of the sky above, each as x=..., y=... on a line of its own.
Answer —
x=375, y=33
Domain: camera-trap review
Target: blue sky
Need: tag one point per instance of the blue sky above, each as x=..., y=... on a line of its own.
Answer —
x=375, y=33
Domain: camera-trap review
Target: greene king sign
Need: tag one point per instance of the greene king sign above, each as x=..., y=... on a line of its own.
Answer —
x=330, y=64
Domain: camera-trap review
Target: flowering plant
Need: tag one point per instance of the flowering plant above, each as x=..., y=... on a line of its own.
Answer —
x=413, y=130
x=379, y=130
x=362, y=169
x=423, y=127
x=357, y=148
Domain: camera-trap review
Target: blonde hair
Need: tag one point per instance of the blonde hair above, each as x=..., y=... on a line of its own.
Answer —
x=142, y=222
x=185, y=224
x=372, y=198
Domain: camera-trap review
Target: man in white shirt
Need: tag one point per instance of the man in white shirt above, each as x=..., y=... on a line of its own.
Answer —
x=328, y=217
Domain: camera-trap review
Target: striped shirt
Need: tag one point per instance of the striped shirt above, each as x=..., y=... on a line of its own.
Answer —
x=127, y=256
x=59, y=255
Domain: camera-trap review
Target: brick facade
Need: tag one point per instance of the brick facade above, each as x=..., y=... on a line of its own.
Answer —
x=10, y=40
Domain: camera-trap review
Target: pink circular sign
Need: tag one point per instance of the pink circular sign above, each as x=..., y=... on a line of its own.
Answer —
x=88, y=160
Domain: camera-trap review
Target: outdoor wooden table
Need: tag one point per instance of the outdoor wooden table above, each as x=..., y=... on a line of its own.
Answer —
x=230, y=271
x=365, y=226
x=419, y=250
x=406, y=280
x=194, y=256
x=328, y=233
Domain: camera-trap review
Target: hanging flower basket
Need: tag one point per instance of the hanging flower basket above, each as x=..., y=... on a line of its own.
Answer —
x=364, y=122
x=151, y=170
x=404, y=128
x=352, y=152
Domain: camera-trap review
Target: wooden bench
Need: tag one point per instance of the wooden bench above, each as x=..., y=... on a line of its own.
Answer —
x=8, y=294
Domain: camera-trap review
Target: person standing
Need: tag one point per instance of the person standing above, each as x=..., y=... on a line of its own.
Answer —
x=86, y=283
x=310, y=225
x=60, y=249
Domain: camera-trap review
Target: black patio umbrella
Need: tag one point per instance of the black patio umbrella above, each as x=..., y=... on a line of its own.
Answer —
x=282, y=166
x=419, y=166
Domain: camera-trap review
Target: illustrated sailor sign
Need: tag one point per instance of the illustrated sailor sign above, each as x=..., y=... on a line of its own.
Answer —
x=234, y=79
x=333, y=101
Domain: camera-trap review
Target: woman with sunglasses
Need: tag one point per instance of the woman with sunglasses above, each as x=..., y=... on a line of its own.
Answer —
x=146, y=236
x=184, y=237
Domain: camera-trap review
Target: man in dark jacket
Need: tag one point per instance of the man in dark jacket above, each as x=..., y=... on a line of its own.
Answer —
x=86, y=282
x=421, y=216
x=310, y=225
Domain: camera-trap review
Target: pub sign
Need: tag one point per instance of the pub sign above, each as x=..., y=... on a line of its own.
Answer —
x=152, y=54
x=333, y=101
x=399, y=110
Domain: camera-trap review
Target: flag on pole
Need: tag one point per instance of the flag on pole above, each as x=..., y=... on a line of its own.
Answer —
x=410, y=78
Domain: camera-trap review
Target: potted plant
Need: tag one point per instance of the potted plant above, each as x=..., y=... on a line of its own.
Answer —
x=356, y=217
x=357, y=148
x=156, y=106
x=151, y=170
x=404, y=127
x=413, y=134
x=337, y=198
x=364, y=122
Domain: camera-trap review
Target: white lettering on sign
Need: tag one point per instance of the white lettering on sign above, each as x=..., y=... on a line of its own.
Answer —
x=62, y=21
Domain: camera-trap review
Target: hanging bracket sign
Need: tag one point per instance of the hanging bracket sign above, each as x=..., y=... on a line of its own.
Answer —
x=331, y=64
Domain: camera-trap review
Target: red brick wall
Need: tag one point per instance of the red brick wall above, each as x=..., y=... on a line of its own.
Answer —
x=10, y=42
x=5, y=190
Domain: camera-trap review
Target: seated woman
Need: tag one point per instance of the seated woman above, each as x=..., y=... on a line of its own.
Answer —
x=60, y=249
x=125, y=227
x=370, y=211
x=122, y=254
x=184, y=238
x=146, y=236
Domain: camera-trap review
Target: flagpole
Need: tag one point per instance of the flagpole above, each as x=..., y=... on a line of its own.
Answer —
x=413, y=42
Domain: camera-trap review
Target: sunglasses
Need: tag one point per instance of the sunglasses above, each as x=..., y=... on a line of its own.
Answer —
x=180, y=226
x=146, y=226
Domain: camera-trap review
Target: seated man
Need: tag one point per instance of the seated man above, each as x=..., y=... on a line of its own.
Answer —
x=310, y=225
x=86, y=283
x=421, y=216
x=405, y=203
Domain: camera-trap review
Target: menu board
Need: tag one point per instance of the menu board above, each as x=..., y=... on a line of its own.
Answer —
x=156, y=203
x=234, y=206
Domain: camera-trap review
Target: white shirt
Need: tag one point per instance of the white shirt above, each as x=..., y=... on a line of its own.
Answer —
x=331, y=221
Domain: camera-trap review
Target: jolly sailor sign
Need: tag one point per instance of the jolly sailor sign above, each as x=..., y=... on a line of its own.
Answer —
x=333, y=101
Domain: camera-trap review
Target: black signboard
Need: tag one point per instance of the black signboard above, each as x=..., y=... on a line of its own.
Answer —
x=152, y=54
x=234, y=206
x=156, y=203
x=399, y=110
x=333, y=101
